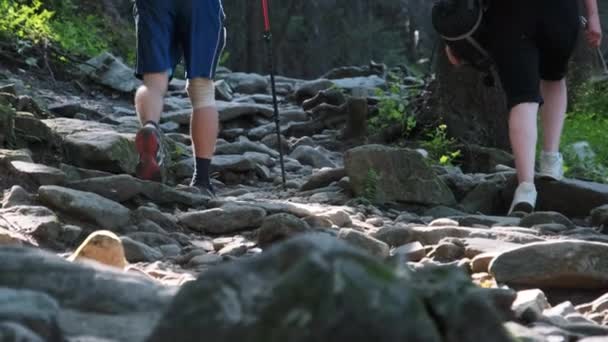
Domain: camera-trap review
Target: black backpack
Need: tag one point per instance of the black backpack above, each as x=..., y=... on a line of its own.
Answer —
x=460, y=23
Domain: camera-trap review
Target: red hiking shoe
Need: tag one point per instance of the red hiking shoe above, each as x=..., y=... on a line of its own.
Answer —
x=149, y=146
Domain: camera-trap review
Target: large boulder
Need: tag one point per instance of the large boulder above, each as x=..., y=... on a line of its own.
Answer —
x=555, y=264
x=95, y=145
x=86, y=205
x=87, y=288
x=315, y=288
x=394, y=174
x=34, y=310
x=110, y=71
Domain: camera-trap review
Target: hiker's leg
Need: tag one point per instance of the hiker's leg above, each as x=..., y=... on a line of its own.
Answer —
x=203, y=44
x=523, y=135
x=204, y=125
x=553, y=113
x=149, y=97
x=157, y=54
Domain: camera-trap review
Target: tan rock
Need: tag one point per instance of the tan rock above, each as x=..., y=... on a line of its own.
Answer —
x=104, y=247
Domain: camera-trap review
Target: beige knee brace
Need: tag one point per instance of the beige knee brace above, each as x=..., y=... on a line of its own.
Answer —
x=201, y=92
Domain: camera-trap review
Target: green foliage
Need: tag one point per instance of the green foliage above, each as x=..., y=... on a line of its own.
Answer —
x=370, y=192
x=588, y=121
x=441, y=147
x=81, y=35
x=393, y=109
x=63, y=23
x=25, y=21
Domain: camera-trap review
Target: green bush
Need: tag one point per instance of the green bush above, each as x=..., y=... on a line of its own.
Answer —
x=588, y=121
x=25, y=21
x=81, y=35
x=393, y=109
x=441, y=148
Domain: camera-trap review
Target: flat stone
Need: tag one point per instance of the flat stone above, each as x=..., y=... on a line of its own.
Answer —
x=40, y=174
x=39, y=222
x=102, y=211
x=537, y=218
x=371, y=245
x=136, y=251
x=84, y=287
x=280, y=227
x=34, y=310
x=323, y=178
x=533, y=300
x=558, y=264
x=224, y=220
x=414, y=251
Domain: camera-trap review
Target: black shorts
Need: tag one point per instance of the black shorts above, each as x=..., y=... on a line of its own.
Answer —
x=530, y=41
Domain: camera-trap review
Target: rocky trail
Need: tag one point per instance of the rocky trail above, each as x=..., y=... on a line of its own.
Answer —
x=366, y=242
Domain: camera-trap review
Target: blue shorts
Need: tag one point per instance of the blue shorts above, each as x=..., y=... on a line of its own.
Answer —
x=168, y=30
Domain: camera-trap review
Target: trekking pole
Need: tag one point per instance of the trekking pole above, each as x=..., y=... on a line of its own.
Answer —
x=268, y=38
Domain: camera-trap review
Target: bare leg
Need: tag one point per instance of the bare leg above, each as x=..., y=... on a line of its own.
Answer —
x=149, y=98
x=204, y=129
x=523, y=134
x=553, y=113
x=149, y=105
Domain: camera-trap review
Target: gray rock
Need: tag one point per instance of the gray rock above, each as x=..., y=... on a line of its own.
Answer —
x=88, y=288
x=122, y=188
x=241, y=147
x=70, y=234
x=489, y=221
x=39, y=222
x=530, y=302
x=394, y=236
x=102, y=211
x=233, y=163
x=524, y=334
x=152, y=239
x=13, y=332
x=414, y=251
x=112, y=72
x=557, y=264
x=311, y=280
x=224, y=220
x=280, y=227
x=323, y=178
x=369, y=244
x=272, y=141
x=586, y=195
x=7, y=156
x=247, y=83
x=599, y=216
x=233, y=110
x=136, y=251
x=314, y=157
x=32, y=129
x=38, y=173
x=368, y=84
x=234, y=249
x=545, y=217
x=73, y=173
x=94, y=145
x=309, y=89
x=476, y=246
x=294, y=115
x=16, y=196
x=394, y=175
x=34, y=310
x=432, y=235
x=223, y=92
x=204, y=260
x=447, y=251
x=119, y=188
x=166, y=221
x=485, y=199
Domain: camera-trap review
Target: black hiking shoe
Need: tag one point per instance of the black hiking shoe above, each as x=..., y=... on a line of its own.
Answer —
x=204, y=189
x=148, y=143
